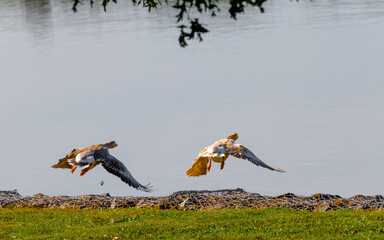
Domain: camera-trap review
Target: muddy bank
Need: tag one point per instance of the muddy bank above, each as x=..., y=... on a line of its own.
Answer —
x=196, y=200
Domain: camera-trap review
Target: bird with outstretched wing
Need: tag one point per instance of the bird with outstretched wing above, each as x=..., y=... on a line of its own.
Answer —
x=94, y=155
x=219, y=152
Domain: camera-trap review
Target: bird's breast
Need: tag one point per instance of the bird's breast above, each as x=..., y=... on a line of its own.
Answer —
x=218, y=159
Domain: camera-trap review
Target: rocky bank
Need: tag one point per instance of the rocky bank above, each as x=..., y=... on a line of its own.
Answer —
x=195, y=200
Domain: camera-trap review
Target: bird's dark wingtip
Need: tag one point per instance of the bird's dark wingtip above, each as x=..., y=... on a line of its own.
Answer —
x=146, y=188
x=279, y=170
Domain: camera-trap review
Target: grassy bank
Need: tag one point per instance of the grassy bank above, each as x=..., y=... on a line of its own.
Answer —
x=273, y=223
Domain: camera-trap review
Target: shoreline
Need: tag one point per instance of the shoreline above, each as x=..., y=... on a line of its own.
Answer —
x=194, y=200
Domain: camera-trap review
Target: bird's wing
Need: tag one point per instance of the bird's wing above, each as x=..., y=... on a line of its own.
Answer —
x=244, y=153
x=115, y=167
x=199, y=167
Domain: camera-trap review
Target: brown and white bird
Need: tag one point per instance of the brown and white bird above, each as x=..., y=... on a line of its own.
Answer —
x=92, y=156
x=219, y=152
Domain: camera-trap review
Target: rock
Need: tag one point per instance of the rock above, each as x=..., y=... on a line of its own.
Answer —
x=322, y=207
x=378, y=197
x=113, y=203
x=359, y=197
x=188, y=203
x=9, y=193
x=322, y=196
x=39, y=195
x=287, y=195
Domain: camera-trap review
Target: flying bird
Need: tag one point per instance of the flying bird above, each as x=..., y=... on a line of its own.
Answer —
x=94, y=155
x=219, y=152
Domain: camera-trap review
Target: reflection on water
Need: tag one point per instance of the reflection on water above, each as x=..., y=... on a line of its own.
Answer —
x=301, y=85
x=38, y=15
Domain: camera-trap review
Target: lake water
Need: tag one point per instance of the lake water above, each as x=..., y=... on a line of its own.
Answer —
x=302, y=85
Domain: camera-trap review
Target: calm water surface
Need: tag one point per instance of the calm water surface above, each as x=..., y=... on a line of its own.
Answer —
x=302, y=85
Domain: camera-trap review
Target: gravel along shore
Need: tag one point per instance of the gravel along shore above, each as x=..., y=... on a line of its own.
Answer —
x=195, y=200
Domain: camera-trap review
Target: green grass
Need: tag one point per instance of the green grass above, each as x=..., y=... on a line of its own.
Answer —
x=132, y=223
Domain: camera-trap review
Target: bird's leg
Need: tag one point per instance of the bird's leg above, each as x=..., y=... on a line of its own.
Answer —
x=73, y=169
x=84, y=171
x=89, y=167
x=209, y=164
x=222, y=165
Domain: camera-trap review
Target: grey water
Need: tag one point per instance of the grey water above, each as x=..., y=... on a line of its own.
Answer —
x=302, y=85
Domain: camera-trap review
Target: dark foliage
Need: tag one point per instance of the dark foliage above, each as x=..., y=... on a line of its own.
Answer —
x=194, y=29
x=237, y=6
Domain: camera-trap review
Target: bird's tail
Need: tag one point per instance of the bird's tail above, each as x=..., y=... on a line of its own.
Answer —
x=111, y=144
x=233, y=136
x=63, y=163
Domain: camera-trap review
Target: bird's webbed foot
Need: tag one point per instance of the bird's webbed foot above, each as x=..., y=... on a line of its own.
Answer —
x=84, y=171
